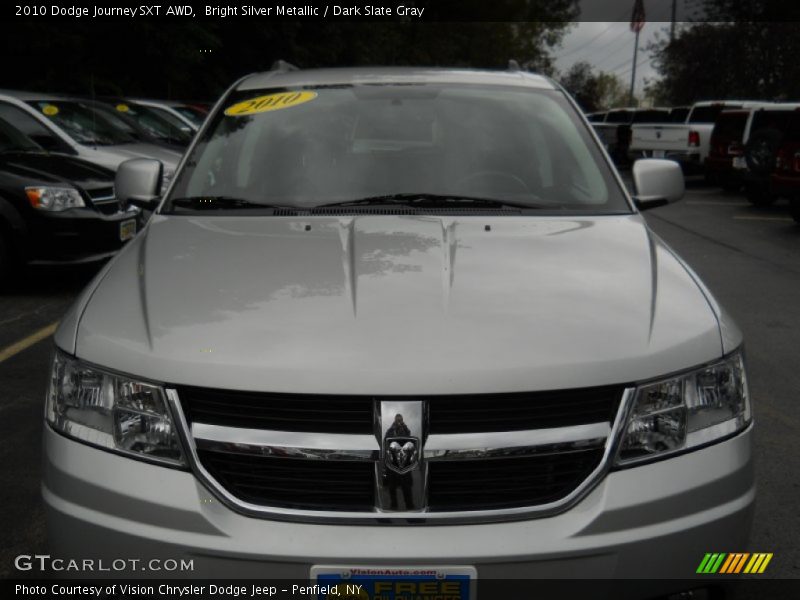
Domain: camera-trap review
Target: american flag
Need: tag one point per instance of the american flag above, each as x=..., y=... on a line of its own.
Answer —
x=637, y=17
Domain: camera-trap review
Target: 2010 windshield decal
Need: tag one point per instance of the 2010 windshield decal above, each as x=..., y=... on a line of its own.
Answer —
x=269, y=102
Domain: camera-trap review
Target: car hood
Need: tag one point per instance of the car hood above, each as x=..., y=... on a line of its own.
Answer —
x=396, y=304
x=31, y=168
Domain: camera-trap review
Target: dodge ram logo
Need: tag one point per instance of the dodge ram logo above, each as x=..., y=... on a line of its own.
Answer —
x=401, y=454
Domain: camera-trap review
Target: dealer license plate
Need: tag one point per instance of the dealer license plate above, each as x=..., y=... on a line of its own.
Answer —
x=127, y=229
x=739, y=162
x=394, y=583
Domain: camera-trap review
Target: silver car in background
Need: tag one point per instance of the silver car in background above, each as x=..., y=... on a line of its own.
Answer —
x=399, y=318
x=67, y=125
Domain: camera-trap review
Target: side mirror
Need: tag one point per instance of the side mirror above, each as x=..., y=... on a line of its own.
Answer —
x=657, y=182
x=138, y=182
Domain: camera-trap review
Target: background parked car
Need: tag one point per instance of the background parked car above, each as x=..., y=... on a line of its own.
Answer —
x=73, y=126
x=764, y=135
x=615, y=129
x=596, y=117
x=151, y=129
x=687, y=143
x=192, y=116
x=678, y=114
x=163, y=124
x=727, y=144
x=56, y=208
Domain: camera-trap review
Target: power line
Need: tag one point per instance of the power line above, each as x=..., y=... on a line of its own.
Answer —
x=625, y=46
x=638, y=64
x=582, y=46
x=611, y=24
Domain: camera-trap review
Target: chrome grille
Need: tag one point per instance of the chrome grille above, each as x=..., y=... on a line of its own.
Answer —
x=104, y=200
x=293, y=456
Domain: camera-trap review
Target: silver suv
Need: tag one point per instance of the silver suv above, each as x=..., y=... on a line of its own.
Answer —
x=394, y=323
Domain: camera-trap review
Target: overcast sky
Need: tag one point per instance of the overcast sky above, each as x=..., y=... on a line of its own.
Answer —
x=608, y=46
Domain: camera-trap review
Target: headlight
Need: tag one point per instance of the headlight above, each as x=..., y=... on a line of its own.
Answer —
x=111, y=411
x=166, y=177
x=54, y=199
x=686, y=411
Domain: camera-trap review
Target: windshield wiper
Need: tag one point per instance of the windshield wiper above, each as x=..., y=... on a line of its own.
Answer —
x=426, y=200
x=224, y=203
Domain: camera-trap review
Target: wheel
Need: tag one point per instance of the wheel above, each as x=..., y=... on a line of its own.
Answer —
x=761, y=151
x=759, y=195
x=794, y=209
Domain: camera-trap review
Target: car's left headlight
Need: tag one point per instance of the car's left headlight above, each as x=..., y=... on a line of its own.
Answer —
x=167, y=176
x=111, y=411
x=54, y=199
x=686, y=411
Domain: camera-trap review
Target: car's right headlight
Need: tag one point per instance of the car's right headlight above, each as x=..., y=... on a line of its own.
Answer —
x=686, y=411
x=111, y=411
x=54, y=199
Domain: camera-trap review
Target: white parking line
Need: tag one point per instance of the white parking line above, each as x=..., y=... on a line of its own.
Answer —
x=717, y=203
x=24, y=344
x=703, y=192
x=749, y=218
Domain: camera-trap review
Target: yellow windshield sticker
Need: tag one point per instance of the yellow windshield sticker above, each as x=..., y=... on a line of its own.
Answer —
x=50, y=110
x=123, y=107
x=270, y=102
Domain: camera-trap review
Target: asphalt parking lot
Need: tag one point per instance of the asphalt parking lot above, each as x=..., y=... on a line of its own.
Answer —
x=749, y=257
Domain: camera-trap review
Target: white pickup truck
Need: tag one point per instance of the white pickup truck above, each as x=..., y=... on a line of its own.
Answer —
x=687, y=143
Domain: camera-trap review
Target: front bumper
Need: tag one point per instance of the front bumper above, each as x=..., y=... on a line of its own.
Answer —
x=653, y=521
x=76, y=236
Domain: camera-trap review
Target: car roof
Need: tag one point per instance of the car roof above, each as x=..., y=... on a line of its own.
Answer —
x=780, y=106
x=743, y=103
x=29, y=96
x=386, y=75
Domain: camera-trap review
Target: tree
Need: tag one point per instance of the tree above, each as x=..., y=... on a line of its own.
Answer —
x=739, y=50
x=592, y=90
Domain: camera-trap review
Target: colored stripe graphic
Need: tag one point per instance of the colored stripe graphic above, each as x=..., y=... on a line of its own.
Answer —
x=740, y=564
x=734, y=563
x=758, y=563
x=711, y=562
x=729, y=563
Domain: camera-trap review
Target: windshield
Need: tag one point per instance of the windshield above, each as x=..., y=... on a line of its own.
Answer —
x=709, y=114
x=158, y=124
x=619, y=116
x=316, y=146
x=730, y=126
x=13, y=140
x=678, y=115
x=83, y=123
x=195, y=115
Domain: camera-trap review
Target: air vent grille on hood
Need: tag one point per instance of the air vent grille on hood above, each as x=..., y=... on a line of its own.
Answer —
x=340, y=211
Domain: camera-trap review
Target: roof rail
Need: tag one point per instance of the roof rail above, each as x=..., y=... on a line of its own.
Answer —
x=513, y=65
x=282, y=65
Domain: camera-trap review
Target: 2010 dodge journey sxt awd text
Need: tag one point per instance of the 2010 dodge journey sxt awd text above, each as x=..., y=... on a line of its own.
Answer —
x=399, y=318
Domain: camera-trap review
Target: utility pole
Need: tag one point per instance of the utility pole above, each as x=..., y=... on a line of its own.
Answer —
x=633, y=71
x=672, y=23
x=638, y=20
